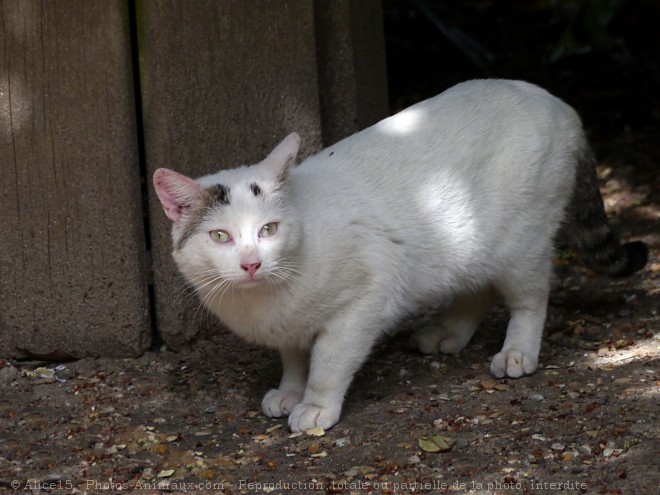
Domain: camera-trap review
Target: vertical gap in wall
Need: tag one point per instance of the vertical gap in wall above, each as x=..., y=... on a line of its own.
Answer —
x=144, y=174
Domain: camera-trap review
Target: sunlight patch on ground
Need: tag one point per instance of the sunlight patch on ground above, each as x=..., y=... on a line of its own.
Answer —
x=644, y=349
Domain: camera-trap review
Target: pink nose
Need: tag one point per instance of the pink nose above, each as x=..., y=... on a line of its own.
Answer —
x=251, y=268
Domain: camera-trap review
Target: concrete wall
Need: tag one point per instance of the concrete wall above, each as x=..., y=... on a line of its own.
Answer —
x=72, y=258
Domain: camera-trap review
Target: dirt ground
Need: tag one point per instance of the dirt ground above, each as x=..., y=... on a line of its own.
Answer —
x=188, y=422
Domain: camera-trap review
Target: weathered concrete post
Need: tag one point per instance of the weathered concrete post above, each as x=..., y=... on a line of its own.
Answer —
x=351, y=60
x=72, y=271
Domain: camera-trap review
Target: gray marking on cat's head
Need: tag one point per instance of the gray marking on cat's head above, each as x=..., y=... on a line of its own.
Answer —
x=256, y=190
x=219, y=193
x=192, y=227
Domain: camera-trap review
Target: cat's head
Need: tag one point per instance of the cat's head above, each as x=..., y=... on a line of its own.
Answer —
x=235, y=227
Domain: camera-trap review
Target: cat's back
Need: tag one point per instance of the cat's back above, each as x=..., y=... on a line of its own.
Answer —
x=459, y=128
x=478, y=132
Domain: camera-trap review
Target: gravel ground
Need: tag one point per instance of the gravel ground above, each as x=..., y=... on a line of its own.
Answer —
x=187, y=422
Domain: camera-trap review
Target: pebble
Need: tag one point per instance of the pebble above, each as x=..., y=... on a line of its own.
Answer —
x=8, y=374
x=342, y=442
x=610, y=449
x=537, y=397
x=585, y=449
x=54, y=478
x=558, y=446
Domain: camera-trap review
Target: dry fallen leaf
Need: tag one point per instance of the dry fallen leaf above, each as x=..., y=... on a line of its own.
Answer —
x=273, y=428
x=434, y=444
x=315, y=432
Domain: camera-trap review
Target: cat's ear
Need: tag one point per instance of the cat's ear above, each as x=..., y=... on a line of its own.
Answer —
x=176, y=192
x=282, y=158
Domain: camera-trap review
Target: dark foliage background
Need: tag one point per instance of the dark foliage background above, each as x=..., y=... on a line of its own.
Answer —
x=601, y=56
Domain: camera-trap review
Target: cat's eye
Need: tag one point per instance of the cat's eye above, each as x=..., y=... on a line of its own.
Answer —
x=268, y=230
x=220, y=236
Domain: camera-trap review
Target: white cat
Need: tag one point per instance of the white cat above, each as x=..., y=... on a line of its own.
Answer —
x=453, y=201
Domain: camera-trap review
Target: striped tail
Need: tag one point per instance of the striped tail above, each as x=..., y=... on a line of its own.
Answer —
x=589, y=230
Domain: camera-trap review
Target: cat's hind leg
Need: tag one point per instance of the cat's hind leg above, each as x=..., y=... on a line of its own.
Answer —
x=279, y=402
x=457, y=324
x=527, y=301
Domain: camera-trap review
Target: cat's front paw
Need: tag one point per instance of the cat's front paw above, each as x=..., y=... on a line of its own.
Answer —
x=513, y=363
x=279, y=403
x=305, y=416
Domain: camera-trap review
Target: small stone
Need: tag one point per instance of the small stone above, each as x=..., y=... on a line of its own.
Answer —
x=537, y=397
x=414, y=459
x=54, y=478
x=342, y=442
x=8, y=374
x=361, y=470
x=611, y=450
x=585, y=449
x=557, y=446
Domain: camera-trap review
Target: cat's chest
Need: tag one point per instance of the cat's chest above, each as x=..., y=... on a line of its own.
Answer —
x=270, y=321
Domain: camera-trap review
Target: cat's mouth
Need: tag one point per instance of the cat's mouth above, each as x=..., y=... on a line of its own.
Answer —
x=247, y=283
x=249, y=280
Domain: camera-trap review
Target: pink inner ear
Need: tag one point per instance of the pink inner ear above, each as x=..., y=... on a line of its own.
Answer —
x=175, y=192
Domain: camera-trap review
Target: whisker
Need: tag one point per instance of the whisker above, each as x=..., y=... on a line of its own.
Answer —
x=211, y=294
x=286, y=269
